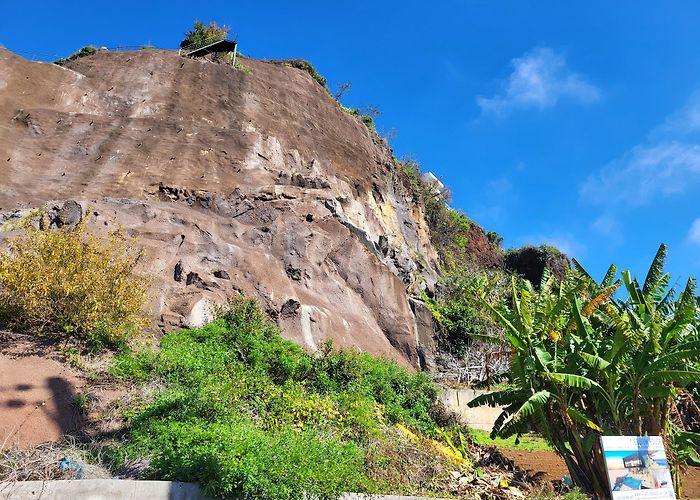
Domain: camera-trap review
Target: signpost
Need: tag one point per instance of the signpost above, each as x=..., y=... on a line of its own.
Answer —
x=637, y=467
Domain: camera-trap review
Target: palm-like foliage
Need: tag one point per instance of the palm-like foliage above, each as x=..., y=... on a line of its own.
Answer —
x=584, y=364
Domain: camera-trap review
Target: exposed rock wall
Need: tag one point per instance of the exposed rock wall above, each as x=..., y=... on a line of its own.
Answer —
x=234, y=182
x=530, y=263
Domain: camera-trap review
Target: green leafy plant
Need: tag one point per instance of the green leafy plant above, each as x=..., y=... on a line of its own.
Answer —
x=458, y=309
x=584, y=364
x=82, y=402
x=495, y=238
x=450, y=229
x=369, y=122
x=245, y=412
x=242, y=67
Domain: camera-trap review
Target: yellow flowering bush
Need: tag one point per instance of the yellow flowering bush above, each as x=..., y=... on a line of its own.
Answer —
x=69, y=282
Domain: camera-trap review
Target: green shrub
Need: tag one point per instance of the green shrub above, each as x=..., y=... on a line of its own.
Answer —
x=247, y=412
x=236, y=458
x=70, y=283
x=353, y=111
x=242, y=67
x=495, y=238
x=88, y=50
x=449, y=228
x=369, y=122
x=458, y=308
x=202, y=33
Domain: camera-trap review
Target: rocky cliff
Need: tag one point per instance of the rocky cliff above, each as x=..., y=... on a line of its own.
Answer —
x=233, y=181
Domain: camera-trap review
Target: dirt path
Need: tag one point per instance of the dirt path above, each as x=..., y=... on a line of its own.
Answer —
x=547, y=466
x=37, y=401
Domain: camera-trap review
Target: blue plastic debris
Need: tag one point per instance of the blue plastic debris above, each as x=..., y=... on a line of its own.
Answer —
x=66, y=463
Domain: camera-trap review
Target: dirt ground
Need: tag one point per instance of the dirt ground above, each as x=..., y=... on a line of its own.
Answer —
x=38, y=401
x=547, y=466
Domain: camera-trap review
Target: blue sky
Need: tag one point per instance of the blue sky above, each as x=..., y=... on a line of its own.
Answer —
x=576, y=125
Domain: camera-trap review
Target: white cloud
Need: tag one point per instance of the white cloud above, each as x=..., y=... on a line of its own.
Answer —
x=539, y=79
x=643, y=173
x=666, y=163
x=683, y=122
x=694, y=232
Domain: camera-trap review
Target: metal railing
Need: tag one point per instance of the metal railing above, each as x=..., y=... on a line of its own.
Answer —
x=193, y=47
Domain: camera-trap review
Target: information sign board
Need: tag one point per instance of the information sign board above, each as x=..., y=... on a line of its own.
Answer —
x=637, y=467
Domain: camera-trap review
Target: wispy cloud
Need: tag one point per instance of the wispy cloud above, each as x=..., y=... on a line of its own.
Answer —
x=540, y=78
x=665, y=164
x=645, y=172
x=694, y=232
x=682, y=123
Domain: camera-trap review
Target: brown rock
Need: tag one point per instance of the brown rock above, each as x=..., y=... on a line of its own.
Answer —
x=271, y=178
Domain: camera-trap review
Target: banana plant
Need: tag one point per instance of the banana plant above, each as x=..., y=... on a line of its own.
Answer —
x=585, y=364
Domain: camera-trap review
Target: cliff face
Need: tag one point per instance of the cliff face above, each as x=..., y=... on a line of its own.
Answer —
x=253, y=182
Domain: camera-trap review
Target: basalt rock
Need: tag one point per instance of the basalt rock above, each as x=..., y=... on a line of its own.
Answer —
x=70, y=214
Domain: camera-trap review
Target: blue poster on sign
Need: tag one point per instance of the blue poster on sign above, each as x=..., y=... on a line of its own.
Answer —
x=637, y=467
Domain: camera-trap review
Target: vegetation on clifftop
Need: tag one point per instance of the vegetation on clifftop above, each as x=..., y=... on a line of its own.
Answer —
x=88, y=50
x=205, y=33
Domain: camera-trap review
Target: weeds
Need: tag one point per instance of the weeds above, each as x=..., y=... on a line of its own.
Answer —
x=82, y=402
x=246, y=412
x=242, y=67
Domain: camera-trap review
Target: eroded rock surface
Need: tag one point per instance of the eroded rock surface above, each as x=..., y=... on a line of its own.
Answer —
x=233, y=182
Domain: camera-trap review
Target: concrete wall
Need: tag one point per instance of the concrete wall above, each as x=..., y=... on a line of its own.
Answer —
x=100, y=489
x=482, y=417
x=115, y=489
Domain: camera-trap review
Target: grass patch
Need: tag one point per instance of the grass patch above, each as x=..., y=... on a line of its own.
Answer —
x=245, y=412
x=527, y=442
